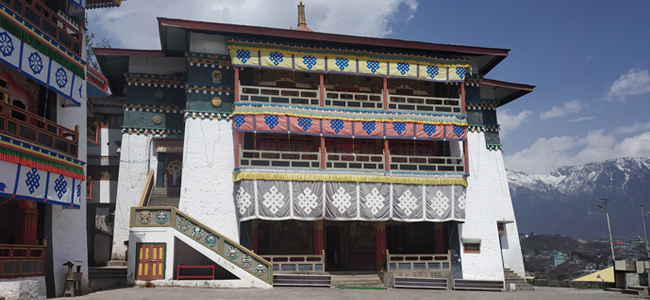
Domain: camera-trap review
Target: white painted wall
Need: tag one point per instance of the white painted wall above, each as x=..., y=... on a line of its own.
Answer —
x=207, y=187
x=166, y=235
x=68, y=236
x=487, y=200
x=27, y=287
x=156, y=65
x=208, y=43
x=135, y=163
x=105, y=191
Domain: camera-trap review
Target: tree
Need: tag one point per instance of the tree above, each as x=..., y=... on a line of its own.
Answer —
x=90, y=53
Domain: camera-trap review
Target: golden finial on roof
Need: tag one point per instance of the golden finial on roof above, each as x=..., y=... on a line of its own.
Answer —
x=302, y=22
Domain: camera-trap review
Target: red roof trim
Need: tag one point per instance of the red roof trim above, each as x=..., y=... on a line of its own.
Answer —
x=328, y=37
x=128, y=52
x=508, y=85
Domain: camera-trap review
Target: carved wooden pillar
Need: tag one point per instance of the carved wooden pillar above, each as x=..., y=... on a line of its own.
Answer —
x=254, y=235
x=380, y=244
x=321, y=90
x=236, y=83
x=386, y=155
x=27, y=223
x=323, y=152
x=318, y=237
x=385, y=93
x=438, y=238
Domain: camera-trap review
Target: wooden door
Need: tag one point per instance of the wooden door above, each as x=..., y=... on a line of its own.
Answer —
x=151, y=261
x=174, y=169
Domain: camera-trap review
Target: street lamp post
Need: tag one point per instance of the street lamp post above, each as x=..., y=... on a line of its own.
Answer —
x=609, y=227
x=645, y=232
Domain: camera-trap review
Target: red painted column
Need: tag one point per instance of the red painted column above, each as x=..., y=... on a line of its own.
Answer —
x=27, y=223
x=254, y=235
x=466, y=156
x=237, y=148
x=438, y=239
x=236, y=84
x=385, y=91
x=380, y=244
x=323, y=152
x=462, y=97
x=386, y=155
x=318, y=237
x=321, y=87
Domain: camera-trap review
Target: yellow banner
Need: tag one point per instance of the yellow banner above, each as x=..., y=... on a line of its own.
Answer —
x=244, y=57
x=276, y=60
x=403, y=69
x=341, y=64
x=309, y=62
x=457, y=73
x=433, y=73
x=373, y=67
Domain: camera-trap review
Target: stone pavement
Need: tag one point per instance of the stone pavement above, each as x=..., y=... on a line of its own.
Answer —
x=284, y=293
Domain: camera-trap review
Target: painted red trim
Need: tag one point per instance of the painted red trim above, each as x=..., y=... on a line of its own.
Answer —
x=127, y=52
x=385, y=92
x=45, y=156
x=466, y=156
x=97, y=83
x=237, y=146
x=321, y=87
x=327, y=37
x=322, y=152
x=386, y=155
x=462, y=98
x=236, y=84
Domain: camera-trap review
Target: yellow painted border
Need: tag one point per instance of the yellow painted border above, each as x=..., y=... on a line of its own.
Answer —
x=347, y=178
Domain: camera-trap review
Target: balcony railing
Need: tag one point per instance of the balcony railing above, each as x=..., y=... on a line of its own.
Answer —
x=350, y=161
x=354, y=161
x=22, y=124
x=279, y=159
x=427, y=163
x=340, y=99
x=55, y=25
x=278, y=95
x=22, y=261
x=425, y=104
x=397, y=262
x=353, y=100
x=303, y=263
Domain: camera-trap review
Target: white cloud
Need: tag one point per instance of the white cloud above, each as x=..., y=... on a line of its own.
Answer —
x=570, y=107
x=635, y=82
x=633, y=128
x=508, y=122
x=134, y=23
x=581, y=119
x=546, y=154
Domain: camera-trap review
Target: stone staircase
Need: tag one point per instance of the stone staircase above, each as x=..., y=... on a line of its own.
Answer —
x=521, y=284
x=161, y=196
x=106, y=278
x=356, y=280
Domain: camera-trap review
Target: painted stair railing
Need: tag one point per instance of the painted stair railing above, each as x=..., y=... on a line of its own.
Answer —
x=208, y=238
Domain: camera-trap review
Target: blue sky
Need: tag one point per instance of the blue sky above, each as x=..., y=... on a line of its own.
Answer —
x=589, y=60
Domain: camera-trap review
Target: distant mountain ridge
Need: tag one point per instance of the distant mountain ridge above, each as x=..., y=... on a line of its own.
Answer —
x=562, y=201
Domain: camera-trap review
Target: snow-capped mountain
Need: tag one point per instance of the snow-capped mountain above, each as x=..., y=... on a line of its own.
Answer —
x=563, y=201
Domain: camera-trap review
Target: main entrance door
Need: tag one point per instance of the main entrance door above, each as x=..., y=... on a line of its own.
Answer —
x=173, y=169
x=349, y=246
x=151, y=261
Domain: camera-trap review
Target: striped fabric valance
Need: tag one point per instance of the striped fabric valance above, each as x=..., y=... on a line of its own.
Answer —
x=247, y=54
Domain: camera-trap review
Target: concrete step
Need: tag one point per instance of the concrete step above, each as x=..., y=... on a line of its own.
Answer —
x=106, y=278
x=359, y=280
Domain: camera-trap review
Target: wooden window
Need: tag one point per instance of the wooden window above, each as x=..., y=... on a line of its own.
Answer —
x=471, y=247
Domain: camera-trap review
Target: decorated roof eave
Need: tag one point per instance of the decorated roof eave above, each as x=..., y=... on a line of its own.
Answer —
x=115, y=62
x=491, y=56
x=514, y=90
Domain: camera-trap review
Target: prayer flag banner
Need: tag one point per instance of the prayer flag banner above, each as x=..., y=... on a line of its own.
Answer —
x=31, y=184
x=341, y=64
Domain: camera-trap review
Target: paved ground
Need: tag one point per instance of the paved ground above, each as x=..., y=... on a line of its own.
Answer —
x=284, y=293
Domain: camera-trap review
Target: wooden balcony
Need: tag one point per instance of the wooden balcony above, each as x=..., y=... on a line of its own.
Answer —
x=350, y=161
x=348, y=99
x=277, y=95
x=56, y=25
x=425, y=104
x=19, y=123
x=22, y=261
